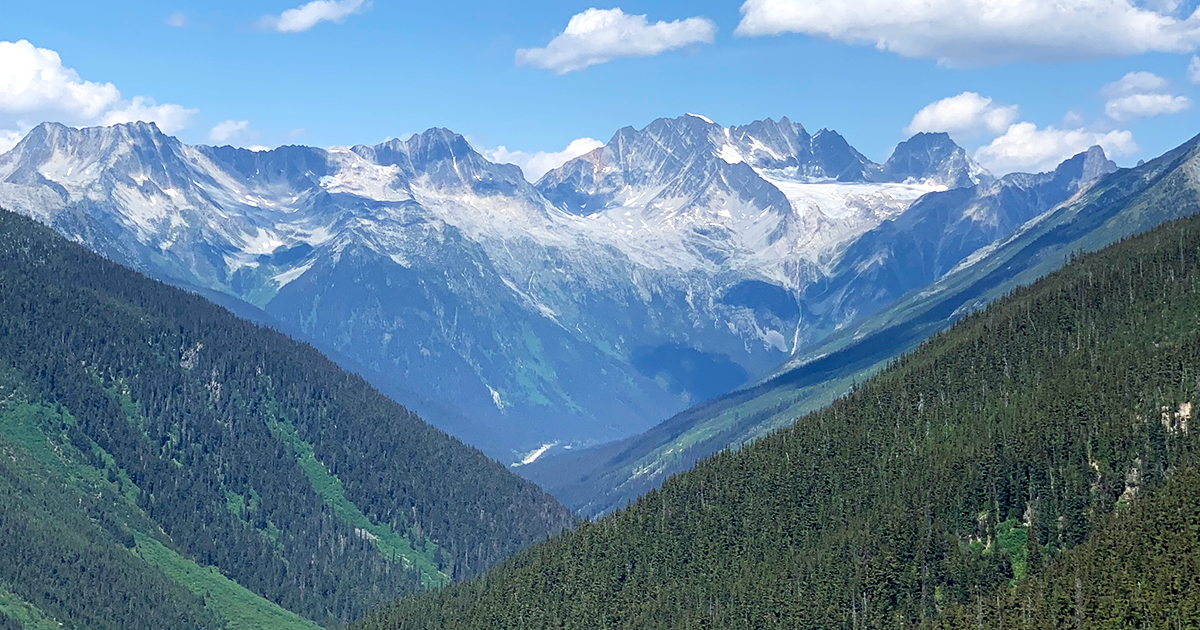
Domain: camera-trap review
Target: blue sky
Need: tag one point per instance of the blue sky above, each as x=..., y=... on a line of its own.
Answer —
x=382, y=69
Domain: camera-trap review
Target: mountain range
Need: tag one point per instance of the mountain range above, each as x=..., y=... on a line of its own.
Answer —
x=927, y=409
x=1109, y=205
x=674, y=264
x=1033, y=466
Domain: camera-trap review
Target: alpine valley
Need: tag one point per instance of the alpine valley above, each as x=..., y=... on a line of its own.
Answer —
x=928, y=397
x=670, y=266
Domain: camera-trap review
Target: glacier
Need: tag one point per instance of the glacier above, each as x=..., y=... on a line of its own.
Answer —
x=667, y=267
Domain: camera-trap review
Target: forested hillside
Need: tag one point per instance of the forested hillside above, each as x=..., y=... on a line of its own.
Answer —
x=164, y=464
x=1140, y=571
x=1039, y=445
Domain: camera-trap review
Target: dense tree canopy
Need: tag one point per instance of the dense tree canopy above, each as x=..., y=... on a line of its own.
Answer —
x=1051, y=420
x=253, y=453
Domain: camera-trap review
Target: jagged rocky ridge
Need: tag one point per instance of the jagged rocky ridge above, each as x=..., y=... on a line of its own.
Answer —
x=1031, y=467
x=665, y=268
x=1113, y=207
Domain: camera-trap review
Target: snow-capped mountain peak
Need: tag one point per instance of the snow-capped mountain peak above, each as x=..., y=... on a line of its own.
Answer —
x=783, y=194
x=934, y=158
x=567, y=310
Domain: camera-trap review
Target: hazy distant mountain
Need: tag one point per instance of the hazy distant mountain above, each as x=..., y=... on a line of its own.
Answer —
x=1030, y=466
x=658, y=271
x=934, y=157
x=939, y=231
x=950, y=252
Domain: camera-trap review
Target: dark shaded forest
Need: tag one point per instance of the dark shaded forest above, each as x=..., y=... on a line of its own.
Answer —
x=996, y=474
x=253, y=453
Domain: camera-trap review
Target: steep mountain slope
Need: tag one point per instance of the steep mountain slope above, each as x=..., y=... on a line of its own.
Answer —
x=658, y=272
x=768, y=193
x=456, y=287
x=1118, y=206
x=936, y=235
x=934, y=157
x=134, y=416
x=78, y=553
x=984, y=457
x=939, y=232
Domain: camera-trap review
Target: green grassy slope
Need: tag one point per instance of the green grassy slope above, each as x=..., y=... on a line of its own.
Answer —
x=48, y=477
x=65, y=535
x=392, y=543
x=1121, y=205
x=231, y=602
x=23, y=615
x=1043, y=417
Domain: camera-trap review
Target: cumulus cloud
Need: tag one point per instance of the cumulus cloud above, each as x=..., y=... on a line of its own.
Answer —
x=304, y=17
x=1141, y=95
x=535, y=165
x=1145, y=106
x=601, y=35
x=983, y=32
x=34, y=81
x=169, y=118
x=177, y=20
x=1134, y=83
x=1025, y=147
x=8, y=140
x=968, y=114
x=35, y=87
x=228, y=131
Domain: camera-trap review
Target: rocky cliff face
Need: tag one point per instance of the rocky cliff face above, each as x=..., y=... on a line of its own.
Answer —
x=662, y=269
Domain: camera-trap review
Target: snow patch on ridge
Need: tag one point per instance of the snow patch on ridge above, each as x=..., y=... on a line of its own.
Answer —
x=496, y=398
x=283, y=279
x=357, y=176
x=534, y=455
x=730, y=154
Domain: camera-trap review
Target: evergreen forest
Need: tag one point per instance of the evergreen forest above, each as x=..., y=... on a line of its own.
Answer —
x=1032, y=466
x=164, y=464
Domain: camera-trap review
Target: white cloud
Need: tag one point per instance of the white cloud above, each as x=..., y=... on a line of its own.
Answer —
x=1134, y=83
x=1141, y=95
x=1025, y=147
x=34, y=81
x=601, y=35
x=1193, y=70
x=258, y=148
x=35, y=87
x=228, y=131
x=983, y=32
x=535, y=165
x=968, y=113
x=8, y=140
x=177, y=19
x=1073, y=119
x=1145, y=106
x=1022, y=146
x=309, y=15
x=169, y=118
